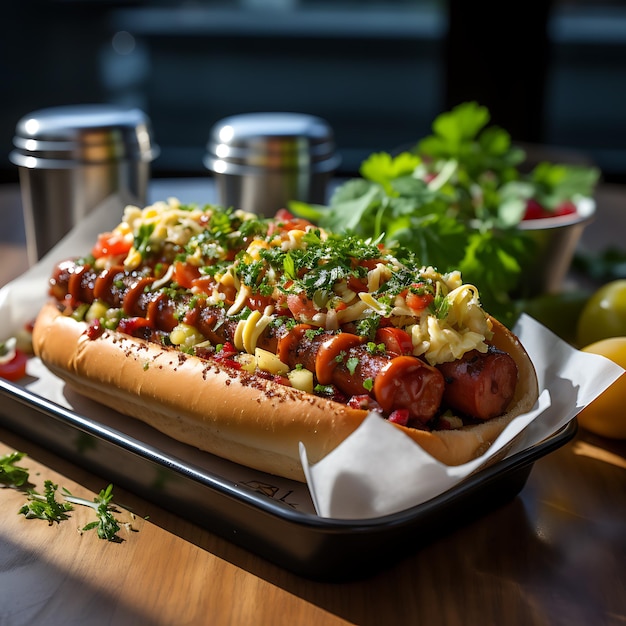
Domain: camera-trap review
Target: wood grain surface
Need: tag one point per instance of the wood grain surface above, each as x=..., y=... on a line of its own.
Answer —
x=552, y=555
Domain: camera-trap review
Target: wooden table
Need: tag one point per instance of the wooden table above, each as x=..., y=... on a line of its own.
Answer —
x=553, y=555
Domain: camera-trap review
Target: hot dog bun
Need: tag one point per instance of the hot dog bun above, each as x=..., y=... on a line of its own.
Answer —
x=235, y=415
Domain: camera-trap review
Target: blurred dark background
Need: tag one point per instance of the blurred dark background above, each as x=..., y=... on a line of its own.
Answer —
x=550, y=72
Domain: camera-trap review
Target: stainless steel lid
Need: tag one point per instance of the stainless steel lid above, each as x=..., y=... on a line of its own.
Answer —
x=82, y=134
x=276, y=141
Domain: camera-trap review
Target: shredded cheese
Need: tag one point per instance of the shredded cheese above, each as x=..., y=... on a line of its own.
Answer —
x=450, y=324
x=249, y=330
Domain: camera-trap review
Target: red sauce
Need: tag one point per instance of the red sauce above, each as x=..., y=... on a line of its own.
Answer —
x=133, y=293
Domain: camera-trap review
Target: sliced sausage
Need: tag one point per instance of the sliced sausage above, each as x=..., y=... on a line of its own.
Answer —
x=480, y=385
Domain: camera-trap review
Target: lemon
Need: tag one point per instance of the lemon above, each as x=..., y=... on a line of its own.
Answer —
x=606, y=415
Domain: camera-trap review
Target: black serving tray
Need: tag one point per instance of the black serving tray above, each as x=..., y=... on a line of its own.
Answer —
x=268, y=516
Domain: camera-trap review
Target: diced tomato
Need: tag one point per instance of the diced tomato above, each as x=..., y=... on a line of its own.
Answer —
x=357, y=285
x=130, y=325
x=395, y=340
x=417, y=298
x=185, y=274
x=226, y=355
x=228, y=361
x=111, y=244
x=370, y=264
x=204, y=284
x=257, y=302
x=300, y=306
x=281, y=380
x=227, y=350
x=282, y=215
x=285, y=221
x=399, y=416
x=364, y=402
x=418, y=302
x=15, y=368
x=384, y=322
x=360, y=401
x=95, y=329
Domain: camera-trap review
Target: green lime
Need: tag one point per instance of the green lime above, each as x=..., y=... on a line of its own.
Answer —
x=604, y=315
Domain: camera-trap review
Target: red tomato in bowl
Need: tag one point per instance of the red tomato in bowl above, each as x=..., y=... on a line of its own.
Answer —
x=534, y=210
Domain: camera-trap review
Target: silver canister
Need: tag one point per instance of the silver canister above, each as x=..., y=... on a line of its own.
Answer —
x=71, y=159
x=262, y=161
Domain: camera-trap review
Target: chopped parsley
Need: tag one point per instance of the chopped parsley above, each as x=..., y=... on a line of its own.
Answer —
x=45, y=506
x=324, y=390
x=142, y=242
x=375, y=348
x=368, y=326
x=10, y=472
x=311, y=333
x=317, y=266
x=440, y=306
x=252, y=273
x=405, y=278
x=106, y=525
x=351, y=364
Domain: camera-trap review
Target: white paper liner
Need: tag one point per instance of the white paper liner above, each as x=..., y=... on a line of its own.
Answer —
x=378, y=470
x=21, y=299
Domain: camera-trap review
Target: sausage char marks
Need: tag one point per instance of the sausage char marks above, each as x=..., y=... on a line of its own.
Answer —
x=333, y=315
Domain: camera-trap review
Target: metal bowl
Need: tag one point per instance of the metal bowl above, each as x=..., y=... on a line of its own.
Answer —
x=555, y=240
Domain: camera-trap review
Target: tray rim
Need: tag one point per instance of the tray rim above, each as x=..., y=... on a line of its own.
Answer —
x=247, y=496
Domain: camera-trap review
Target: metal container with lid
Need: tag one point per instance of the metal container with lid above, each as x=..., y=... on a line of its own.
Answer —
x=261, y=161
x=71, y=159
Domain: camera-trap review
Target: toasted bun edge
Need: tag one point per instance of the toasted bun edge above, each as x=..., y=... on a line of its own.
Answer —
x=240, y=417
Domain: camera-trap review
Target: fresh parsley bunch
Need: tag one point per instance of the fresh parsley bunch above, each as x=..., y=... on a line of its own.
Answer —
x=455, y=201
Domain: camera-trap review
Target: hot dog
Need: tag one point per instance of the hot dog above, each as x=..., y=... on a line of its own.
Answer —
x=244, y=336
